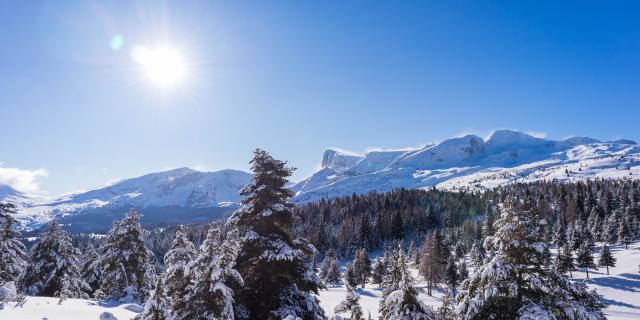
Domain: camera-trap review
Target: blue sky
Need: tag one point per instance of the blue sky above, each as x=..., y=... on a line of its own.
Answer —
x=296, y=77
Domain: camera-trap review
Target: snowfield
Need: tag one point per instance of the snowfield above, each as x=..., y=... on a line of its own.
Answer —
x=620, y=289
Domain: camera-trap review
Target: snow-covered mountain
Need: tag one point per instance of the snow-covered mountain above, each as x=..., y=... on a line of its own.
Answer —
x=177, y=195
x=471, y=162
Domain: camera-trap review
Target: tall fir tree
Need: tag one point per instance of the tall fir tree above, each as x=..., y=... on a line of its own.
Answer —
x=451, y=276
x=176, y=277
x=210, y=294
x=125, y=264
x=157, y=306
x=509, y=285
x=13, y=256
x=402, y=302
x=584, y=258
x=564, y=260
x=278, y=282
x=89, y=270
x=606, y=258
x=624, y=235
x=362, y=266
x=332, y=277
x=350, y=306
x=378, y=272
x=54, y=267
x=430, y=266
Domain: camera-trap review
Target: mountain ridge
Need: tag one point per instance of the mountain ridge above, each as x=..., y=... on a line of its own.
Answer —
x=461, y=163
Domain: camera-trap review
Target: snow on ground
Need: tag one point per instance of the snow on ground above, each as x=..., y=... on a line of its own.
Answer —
x=620, y=289
x=38, y=308
x=370, y=297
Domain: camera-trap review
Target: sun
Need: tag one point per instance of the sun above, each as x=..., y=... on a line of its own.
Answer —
x=163, y=65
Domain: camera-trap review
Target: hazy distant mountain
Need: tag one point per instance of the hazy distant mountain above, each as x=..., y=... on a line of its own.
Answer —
x=181, y=195
x=185, y=195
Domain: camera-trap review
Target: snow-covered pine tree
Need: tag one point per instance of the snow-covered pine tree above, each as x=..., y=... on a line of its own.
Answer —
x=584, y=258
x=446, y=310
x=378, y=272
x=624, y=235
x=463, y=271
x=402, y=302
x=54, y=267
x=125, y=264
x=451, y=275
x=559, y=232
x=564, y=260
x=278, y=281
x=576, y=238
x=210, y=294
x=362, y=266
x=516, y=284
x=13, y=256
x=351, y=278
x=89, y=269
x=610, y=232
x=157, y=306
x=393, y=276
x=176, y=276
x=489, y=220
x=606, y=258
x=477, y=254
x=333, y=277
x=350, y=306
x=329, y=256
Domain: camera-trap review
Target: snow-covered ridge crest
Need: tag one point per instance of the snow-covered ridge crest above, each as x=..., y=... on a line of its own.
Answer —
x=471, y=162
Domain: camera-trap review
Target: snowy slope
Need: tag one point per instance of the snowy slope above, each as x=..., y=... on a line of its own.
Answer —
x=181, y=189
x=474, y=163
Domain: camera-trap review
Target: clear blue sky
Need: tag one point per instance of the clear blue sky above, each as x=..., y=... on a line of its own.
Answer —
x=296, y=77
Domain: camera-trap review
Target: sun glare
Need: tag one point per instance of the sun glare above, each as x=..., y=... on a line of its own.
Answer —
x=164, y=66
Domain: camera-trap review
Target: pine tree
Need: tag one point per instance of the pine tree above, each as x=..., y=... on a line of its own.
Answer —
x=362, y=266
x=610, y=232
x=446, y=310
x=463, y=271
x=329, y=256
x=332, y=276
x=350, y=276
x=576, y=239
x=451, y=275
x=392, y=277
x=402, y=302
x=177, y=277
x=364, y=234
x=278, y=282
x=624, y=235
x=559, y=231
x=564, y=260
x=584, y=258
x=397, y=227
x=210, y=294
x=606, y=258
x=156, y=307
x=378, y=272
x=516, y=284
x=477, y=254
x=350, y=305
x=54, y=267
x=13, y=254
x=125, y=264
x=89, y=270
x=489, y=221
